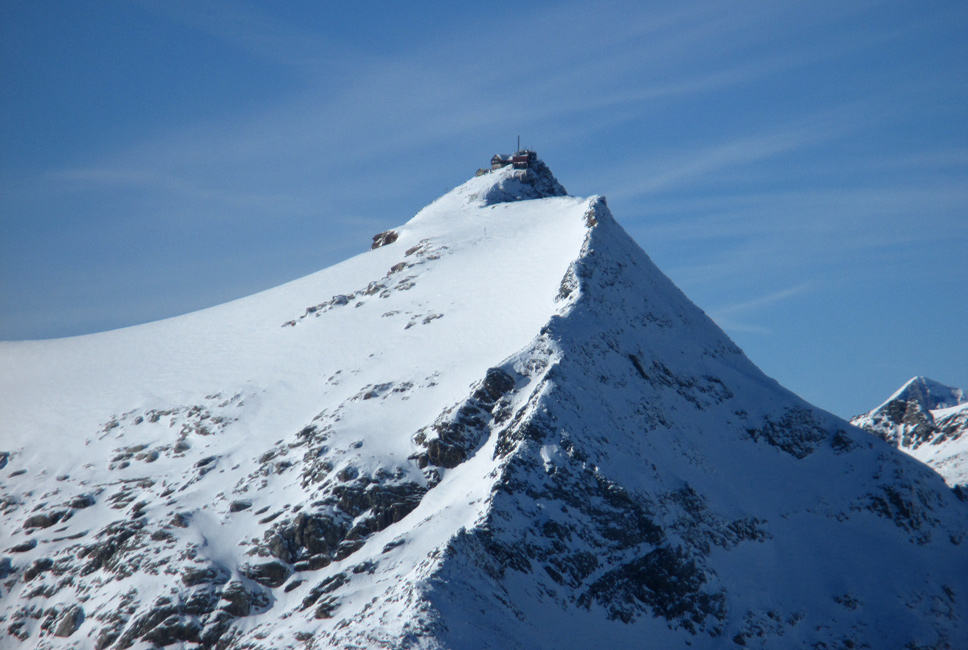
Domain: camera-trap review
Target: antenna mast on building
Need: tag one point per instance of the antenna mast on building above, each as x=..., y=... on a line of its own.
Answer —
x=519, y=144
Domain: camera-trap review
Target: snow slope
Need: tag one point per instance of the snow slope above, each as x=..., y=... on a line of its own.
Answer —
x=929, y=421
x=502, y=428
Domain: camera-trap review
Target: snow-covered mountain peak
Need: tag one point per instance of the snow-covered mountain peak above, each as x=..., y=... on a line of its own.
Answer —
x=501, y=427
x=927, y=420
x=930, y=394
x=501, y=185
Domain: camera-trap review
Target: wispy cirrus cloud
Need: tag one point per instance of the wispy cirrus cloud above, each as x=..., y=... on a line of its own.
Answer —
x=256, y=31
x=762, y=301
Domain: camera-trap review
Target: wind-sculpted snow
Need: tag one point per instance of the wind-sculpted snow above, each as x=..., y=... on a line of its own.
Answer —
x=402, y=276
x=502, y=427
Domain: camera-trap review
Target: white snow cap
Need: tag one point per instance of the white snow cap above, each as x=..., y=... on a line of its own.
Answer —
x=503, y=427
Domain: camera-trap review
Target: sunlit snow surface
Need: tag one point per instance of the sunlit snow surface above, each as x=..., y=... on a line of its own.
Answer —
x=929, y=421
x=505, y=429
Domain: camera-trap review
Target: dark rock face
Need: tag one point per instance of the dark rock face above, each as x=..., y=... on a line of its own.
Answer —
x=384, y=238
x=459, y=432
x=239, y=506
x=356, y=510
x=239, y=601
x=327, y=586
x=83, y=501
x=269, y=574
x=585, y=522
x=144, y=624
x=535, y=182
x=173, y=630
x=38, y=567
x=916, y=424
x=315, y=533
x=46, y=519
x=908, y=507
x=798, y=432
x=69, y=620
x=111, y=549
x=384, y=504
x=30, y=544
x=666, y=580
x=193, y=576
x=496, y=384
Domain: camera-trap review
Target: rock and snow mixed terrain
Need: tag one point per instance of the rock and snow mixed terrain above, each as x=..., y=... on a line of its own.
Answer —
x=503, y=427
x=929, y=421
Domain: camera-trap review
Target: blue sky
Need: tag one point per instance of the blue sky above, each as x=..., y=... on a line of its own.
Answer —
x=800, y=170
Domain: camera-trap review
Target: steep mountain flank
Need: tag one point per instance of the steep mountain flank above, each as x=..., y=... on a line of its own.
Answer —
x=503, y=427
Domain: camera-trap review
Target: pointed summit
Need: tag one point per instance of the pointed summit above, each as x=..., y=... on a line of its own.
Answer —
x=929, y=421
x=502, y=427
x=517, y=177
x=931, y=395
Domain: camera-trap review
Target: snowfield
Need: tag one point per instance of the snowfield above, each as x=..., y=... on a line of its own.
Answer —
x=503, y=427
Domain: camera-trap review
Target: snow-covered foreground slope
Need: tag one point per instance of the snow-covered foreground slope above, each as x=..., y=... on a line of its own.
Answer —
x=929, y=421
x=503, y=428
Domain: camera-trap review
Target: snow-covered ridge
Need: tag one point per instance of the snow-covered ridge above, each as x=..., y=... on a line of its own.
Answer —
x=220, y=425
x=502, y=428
x=929, y=421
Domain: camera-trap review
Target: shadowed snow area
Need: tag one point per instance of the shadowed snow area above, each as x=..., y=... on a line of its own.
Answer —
x=502, y=427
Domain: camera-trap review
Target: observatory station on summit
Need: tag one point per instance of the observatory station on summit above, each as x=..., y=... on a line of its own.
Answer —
x=520, y=159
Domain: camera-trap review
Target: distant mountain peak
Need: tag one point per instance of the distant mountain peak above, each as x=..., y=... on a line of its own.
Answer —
x=932, y=395
x=927, y=420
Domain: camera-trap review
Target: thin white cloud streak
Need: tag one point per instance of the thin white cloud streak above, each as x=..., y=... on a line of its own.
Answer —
x=315, y=126
x=607, y=47
x=760, y=301
x=172, y=186
x=385, y=108
x=836, y=237
x=255, y=31
x=736, y=316
x=859, y=218
x=689, y=52
x=677, y=169
x=435, y=94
